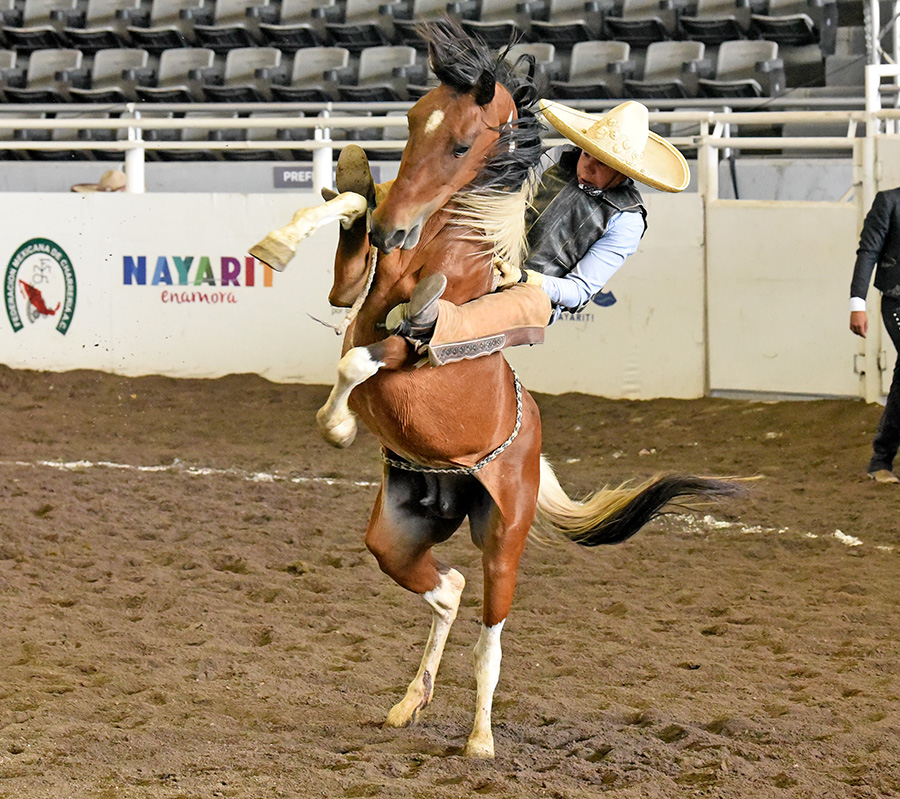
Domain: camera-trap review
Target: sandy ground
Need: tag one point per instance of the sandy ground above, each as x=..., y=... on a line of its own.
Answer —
x=188, y=609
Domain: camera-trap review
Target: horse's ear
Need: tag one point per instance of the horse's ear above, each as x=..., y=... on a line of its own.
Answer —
x=484, y=87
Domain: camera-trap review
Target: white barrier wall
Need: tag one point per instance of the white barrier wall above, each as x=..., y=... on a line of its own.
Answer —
x=160, y=283
x=779, y=287
x=649, y=342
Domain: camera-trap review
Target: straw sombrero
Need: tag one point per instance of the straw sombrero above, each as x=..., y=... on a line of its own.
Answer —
x=111, y=180
x=622, y=139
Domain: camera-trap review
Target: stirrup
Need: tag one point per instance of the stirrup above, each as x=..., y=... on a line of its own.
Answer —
x=416, y=319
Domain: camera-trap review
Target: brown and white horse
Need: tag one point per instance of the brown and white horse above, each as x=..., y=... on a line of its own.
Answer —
x=461, y=441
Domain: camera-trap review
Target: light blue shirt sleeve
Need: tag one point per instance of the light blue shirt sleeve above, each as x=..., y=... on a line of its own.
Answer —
x=599, y=264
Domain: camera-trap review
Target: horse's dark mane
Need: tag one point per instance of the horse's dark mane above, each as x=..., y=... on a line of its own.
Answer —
x=462, y=62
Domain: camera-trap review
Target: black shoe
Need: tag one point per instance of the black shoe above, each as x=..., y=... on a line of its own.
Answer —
x=353, y=174
x=416, y=319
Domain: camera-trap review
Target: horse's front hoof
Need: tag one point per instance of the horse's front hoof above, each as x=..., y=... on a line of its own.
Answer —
x=480, y=747
x=340, y=434
x=273, y=253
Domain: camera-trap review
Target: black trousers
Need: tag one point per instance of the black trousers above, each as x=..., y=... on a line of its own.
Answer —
x=887, y=439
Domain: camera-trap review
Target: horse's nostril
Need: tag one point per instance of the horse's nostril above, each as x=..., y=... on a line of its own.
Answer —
x=386, y=240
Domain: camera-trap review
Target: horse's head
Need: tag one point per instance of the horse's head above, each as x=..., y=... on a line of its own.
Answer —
x=451, y=137
x=473, y=129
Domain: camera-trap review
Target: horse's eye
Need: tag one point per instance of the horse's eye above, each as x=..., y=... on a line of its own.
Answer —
x=461, y=149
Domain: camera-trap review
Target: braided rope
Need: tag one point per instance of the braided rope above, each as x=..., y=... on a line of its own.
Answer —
x=409, y=466
x=357, y=303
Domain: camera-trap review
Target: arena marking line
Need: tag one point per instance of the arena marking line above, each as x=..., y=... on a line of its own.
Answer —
x=692, y=523
x=193, y=471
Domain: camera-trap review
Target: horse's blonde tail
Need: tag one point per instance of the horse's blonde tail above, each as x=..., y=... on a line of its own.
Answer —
x=611, y=515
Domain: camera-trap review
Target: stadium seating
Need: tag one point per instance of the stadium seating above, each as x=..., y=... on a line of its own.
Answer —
x=315, y=76
x=48, y=77
x=596, y=71
x=362, y=24
x=499, y=22
x=113, y=77
x=716, y=21
x=671, y=71
x=384, y=73
x=296, y=27
x=248, y=77
x=105, y=25
x=39, y=24
x=643, y=22
x=236, y=24
x=565, y=23
x=170, y=25
x=542, y=53
x=745, y=68
x=182, y=73
x=270, y=133
x=798, y=23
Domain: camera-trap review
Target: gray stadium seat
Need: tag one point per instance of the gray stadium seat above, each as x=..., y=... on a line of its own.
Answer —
x=40, y=25
x=297, y=27
x=643, y=22
x=745, y=68
x=49, y=75
x=114, y=76
x=499, y=23
x=671, y=71
x=171, y=24
x=182, y=73
x=596, y=71
x=315, y=75
x=249, y=73
x=236, y=24
x=716, y=21
x=363, y=24
x=405, y=20
x=384, y=73
x=565, y=23
x=105, y=25
x=798, y=23
x=543, y=53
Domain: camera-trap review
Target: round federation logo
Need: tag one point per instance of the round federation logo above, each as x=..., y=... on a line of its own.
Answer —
x=39, y=286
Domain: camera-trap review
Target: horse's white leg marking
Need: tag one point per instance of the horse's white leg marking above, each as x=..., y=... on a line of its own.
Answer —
x=444, y=601
x=487, y=674
x=280, y=245
x=336, y=421
x=434, y=122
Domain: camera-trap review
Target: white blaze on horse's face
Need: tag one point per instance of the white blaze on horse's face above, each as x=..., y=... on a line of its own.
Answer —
x=434, y=122
x=450, y=139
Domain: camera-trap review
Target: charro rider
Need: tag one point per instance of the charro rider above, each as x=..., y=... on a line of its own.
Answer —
x=587, y=217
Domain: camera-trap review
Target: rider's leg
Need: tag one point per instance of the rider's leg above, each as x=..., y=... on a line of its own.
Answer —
x=514, y=315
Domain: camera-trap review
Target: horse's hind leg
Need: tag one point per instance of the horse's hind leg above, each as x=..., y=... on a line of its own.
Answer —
x=500, y=525
x=444, y=603
x=336, y=421
x=401, y=533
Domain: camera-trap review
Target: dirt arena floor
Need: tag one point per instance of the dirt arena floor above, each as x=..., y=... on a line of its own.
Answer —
x=187, y=609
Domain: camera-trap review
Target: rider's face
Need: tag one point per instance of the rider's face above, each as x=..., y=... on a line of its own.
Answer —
x=595, y=173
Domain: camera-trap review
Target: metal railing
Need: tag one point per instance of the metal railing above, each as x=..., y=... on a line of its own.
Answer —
x=709, y=131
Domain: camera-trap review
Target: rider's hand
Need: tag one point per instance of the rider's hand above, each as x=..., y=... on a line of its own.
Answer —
x=859, y=323
x=506, y=274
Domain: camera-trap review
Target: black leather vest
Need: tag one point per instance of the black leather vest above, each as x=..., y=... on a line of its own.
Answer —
x=564, y=221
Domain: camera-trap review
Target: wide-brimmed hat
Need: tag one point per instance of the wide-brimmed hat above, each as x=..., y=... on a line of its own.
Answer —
x=622, y=139
x=111, y=180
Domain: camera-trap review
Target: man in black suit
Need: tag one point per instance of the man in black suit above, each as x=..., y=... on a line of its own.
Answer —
x=879, y=246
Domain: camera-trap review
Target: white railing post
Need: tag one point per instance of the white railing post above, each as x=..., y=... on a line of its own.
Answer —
x=322, y=158
x=707, y=166
x=135, y=173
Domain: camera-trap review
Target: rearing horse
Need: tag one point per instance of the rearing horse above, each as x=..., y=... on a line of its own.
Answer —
x=461, y=441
